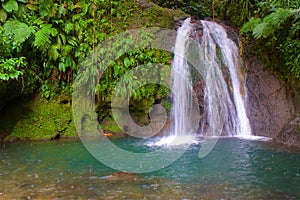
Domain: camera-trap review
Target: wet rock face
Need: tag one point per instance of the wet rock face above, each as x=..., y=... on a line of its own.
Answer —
x=198, y=27
x=199, y=89
x=290, y=134
x=269, y=105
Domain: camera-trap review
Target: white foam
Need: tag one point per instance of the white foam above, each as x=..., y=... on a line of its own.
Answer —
x=254, y=137
x=174, y=140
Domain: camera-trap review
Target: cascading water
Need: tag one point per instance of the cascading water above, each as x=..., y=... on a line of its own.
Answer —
x=181, y=82
x=181, y=126
x=224, y=102
x=218, y=65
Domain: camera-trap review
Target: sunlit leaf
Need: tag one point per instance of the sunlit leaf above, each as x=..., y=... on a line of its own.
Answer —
x=61, y=67
x=42, y=37
x=32, y=7
x=3, y=15
x=126, y=62
x=10, y=5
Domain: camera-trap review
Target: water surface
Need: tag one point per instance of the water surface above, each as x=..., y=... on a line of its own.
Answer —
x=235, y=169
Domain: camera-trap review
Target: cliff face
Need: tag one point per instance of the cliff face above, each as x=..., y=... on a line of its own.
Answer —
x=270, y=104
x=290, y=134
x=272, y=109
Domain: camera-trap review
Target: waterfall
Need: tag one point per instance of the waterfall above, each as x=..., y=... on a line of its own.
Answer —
x=219, y=66
x=216, y=59
x=224, y=98
x=181, y=115
x=181, y=82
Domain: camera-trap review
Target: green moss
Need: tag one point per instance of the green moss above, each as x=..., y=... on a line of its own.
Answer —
x=196, y=8
x=142, y=104
x=167, y=105
x=42, y=119
x=109, y=125
x=153, y=15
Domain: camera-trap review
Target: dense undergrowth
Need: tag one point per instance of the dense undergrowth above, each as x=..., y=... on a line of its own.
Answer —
x=275, y=37
x=44, y=42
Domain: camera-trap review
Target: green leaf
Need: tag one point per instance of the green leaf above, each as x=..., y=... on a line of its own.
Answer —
x=66, y=49
x=42, y=37
x=63, y=38
x=249, y=26
x=84, y=6
x=61, y=11
x=72, y=41
x=45, y=7
x=71, y=6
x=18, y=31
x=10, y=68
x=92, y=9
x=32, y=7
x=53, y=52
x=68, y=27
x=261, y=30
x=4, y=77
x=10, y=5
x=68, y=61
x=3, y=15
x=127, y=62
x=278, y=17
x=61, y=67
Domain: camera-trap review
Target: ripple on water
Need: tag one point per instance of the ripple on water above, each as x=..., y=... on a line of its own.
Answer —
x=235, y=169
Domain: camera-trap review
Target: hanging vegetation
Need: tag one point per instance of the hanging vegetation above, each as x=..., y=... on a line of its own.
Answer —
x=276, y=27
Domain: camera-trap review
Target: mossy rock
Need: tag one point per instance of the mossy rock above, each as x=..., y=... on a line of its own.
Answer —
x=40, y=119
x=142, y=105
x=110, y=126
x=153, y=15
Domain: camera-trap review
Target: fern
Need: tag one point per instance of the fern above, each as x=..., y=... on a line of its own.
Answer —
x=263, y=29
x=269, y=24
x=18, y=31
x=43, y=36
x=278, y=17
x=249, y=26
x=45, y=8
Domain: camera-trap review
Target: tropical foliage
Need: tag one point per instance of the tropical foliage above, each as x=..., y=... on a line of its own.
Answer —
x=276, y=26
x=47, y=40
x=198, y=8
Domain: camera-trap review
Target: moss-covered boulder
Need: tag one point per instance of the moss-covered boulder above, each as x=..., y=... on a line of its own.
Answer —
x=38, y=119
